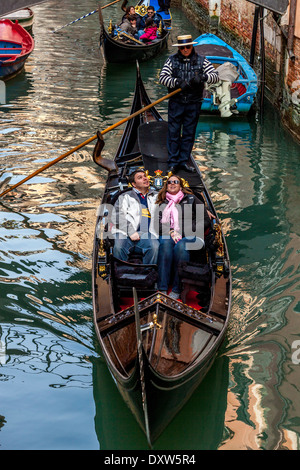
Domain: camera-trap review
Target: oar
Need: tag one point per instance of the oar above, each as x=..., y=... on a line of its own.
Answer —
x=85, y=16
x=122, y=33
x=88, y=141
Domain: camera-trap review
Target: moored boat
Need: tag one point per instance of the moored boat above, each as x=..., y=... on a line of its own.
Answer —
x=118, y=47
x=232, y=96
x=16, y=44
x=24, y=17
x=157, y=349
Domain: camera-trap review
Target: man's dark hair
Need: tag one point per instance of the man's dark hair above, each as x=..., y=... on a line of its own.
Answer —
x=132, y=175
x=150, y=8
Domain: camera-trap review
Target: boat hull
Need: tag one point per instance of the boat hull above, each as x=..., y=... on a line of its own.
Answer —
x=16, y=45
x=115, y=52
x=24, y=17
x=165, y=398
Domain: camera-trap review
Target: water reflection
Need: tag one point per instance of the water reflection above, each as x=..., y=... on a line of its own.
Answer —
x=250, y=175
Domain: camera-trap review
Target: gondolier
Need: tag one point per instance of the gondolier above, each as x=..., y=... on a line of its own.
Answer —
x=189, y=71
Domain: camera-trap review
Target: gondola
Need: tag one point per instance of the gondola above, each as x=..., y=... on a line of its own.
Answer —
x=16, y=45
x=157, y=349
x=232, y=96
x=120, y=48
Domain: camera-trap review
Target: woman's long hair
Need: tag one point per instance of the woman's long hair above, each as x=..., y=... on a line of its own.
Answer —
x=161, y=197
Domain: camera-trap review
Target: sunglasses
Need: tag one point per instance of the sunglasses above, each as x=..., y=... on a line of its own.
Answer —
x=185, y=47
x=174, y=182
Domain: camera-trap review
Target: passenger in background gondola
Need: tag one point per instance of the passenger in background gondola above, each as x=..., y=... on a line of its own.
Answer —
x=133, y=227
x=131, y=11
x=154, y=16
x=150, y=32
x=189, y=71
x=129, y=26
x=178, y=228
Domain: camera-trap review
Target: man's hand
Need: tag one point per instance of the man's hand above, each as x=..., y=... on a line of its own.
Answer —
x=182, y=84
x=135, y=237
x=199, y=78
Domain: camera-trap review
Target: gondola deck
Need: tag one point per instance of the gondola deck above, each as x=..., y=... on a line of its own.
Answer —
x=158, y=364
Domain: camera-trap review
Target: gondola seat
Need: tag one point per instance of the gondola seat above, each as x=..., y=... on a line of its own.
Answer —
x=193, y=276
x=128, y=274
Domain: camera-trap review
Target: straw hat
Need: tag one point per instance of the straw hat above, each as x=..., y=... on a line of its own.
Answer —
x=184, y=40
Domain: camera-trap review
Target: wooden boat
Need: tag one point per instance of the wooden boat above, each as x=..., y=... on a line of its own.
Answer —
x=16, y=45
x=157, y=349
x=24, y=17
x=118, y=47
x=242, y=92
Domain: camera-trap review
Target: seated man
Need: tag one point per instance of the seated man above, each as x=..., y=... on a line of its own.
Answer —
x=154, y=16
x=132, y=225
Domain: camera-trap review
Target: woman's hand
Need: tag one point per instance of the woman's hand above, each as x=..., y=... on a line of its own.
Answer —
x=175, y=236
x=135, y=237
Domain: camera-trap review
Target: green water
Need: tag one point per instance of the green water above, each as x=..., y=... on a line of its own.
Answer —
x=55, y=390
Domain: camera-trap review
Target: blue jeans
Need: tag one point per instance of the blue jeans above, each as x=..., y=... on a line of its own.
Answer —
x=147, y=246
x=169, y=256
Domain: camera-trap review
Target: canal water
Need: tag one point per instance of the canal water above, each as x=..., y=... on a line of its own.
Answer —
x=55, y=390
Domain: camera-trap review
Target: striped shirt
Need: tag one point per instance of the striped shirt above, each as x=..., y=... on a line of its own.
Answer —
x=167, y=79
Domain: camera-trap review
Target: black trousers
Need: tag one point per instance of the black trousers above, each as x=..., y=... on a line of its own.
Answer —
x=182, y=124
x=164, y=4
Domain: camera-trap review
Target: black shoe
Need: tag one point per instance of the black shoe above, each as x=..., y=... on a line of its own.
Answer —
x=160, y=10
x=173, y=169
x=186, y=167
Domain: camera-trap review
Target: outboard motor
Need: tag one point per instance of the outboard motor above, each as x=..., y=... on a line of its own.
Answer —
x=221, y=91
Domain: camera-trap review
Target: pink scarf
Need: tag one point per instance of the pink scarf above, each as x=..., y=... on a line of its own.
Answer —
x=170, y=213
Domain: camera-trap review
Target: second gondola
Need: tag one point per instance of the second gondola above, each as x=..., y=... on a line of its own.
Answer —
x=119, y=47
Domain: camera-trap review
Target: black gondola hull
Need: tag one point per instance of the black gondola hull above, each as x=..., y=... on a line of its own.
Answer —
x=116, y=52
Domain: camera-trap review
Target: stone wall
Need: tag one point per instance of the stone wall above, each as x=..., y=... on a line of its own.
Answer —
x=232, y=20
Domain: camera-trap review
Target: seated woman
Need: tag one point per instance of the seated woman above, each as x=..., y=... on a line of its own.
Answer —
x=181, y=228
x=131, y=11
x=150, y=31
x=129, y=26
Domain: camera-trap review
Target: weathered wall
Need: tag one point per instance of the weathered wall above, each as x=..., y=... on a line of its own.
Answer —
x=232, y=20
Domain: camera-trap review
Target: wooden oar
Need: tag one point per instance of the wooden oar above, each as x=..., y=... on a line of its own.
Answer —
x=122, y=33
x=85, y=16
x=88, y=141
